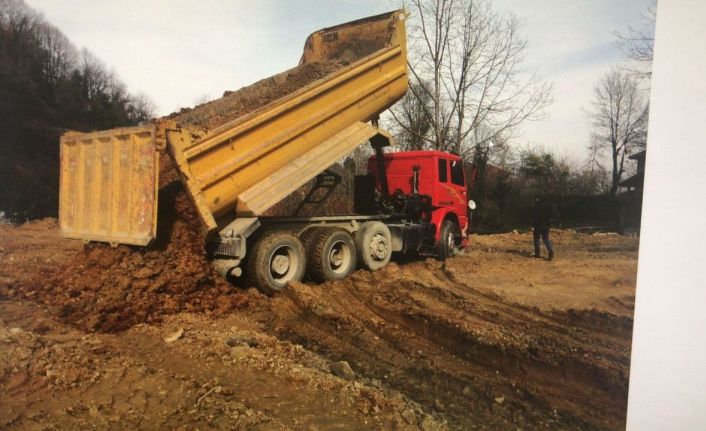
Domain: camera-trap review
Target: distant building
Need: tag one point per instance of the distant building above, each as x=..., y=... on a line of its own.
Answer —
x=635, y=182
x=631, y=201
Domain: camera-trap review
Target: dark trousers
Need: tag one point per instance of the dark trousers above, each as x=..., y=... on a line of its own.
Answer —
x=544, y=233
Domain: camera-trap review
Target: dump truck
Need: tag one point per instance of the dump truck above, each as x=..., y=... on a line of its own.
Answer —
x=408, y=202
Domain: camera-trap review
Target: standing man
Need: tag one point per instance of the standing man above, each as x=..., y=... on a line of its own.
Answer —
x=541, y=219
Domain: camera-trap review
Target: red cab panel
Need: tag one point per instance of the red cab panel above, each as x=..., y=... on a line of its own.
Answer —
x=441, y=176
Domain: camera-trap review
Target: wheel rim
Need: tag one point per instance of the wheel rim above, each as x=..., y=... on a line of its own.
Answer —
x=378, y=247
x=283, y=264
x=450, y=243
x=340, y=257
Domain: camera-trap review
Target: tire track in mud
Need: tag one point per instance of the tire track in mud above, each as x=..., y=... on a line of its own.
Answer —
x=564, y=326
x=510, y=359
x=592, y=320
x=443, y=368
x=577, y=355
x=386, y=354
x=446, y=346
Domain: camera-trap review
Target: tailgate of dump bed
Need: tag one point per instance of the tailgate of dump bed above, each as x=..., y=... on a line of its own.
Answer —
x=108, y=186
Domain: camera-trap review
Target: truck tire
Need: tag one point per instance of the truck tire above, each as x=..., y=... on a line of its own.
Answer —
x=374, y=244
x=275, y=260
x=446, y=247
x=331, y=255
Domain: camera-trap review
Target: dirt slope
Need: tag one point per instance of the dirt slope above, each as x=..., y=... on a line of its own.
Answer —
x=489, y=340
x=453, y=335
x=55, y=376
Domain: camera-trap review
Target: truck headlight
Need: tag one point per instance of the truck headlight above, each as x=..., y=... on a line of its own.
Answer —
x=471, y=205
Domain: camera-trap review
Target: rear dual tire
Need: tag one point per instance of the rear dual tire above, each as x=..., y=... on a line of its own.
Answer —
x=325, y=254
x=331, y=254
x=276, y=259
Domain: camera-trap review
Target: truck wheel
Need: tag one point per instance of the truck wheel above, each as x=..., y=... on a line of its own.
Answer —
x=276, y=259
x=446, y=247
x=331, y=255
x=374, y=244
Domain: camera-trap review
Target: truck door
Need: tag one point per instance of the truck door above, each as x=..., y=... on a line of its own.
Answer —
x=451, y=189
x=458, y=184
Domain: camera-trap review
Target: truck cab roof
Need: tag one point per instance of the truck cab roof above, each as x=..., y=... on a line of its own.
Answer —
x=419, y=154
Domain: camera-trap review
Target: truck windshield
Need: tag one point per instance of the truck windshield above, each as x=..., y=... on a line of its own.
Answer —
x=457, y=173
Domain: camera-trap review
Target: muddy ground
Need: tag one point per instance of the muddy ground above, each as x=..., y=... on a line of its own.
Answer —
x=489, y=340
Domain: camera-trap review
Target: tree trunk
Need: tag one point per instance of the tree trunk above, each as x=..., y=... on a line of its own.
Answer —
x=616, y=173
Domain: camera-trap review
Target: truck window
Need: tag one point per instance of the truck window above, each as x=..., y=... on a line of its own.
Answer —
x=443, y=172
x=457, y=173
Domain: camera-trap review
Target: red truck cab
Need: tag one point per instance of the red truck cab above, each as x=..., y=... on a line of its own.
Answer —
x=439, y=180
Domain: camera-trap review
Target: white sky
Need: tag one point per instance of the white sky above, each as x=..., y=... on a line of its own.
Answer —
x=179, y=51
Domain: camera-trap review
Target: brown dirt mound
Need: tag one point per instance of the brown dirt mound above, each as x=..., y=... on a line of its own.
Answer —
x=489, y=340
x=110, y=289
x=248, y=99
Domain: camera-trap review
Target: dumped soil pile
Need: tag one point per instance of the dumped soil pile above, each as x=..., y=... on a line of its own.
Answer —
x=490, y=340
x=235, y=104
x=110, y=289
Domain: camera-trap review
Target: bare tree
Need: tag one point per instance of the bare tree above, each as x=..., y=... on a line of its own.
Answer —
x=60, y=54
x=619, y=116
x=19, y=24
x=16, y=11
x=638, y=45
x=487, y=89
x=429, y=37
x=140, y=108
x=94, y=76
x=413, y=113
x=470, y=58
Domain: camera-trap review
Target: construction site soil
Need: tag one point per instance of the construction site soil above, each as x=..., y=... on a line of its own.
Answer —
x=98, y=338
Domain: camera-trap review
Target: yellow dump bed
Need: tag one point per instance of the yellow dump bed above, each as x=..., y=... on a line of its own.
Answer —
x=249, y=163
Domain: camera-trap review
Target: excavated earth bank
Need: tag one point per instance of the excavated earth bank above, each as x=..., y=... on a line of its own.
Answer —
x=489, y=340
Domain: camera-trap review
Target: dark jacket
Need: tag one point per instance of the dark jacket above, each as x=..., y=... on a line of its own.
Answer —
x=542, y=214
